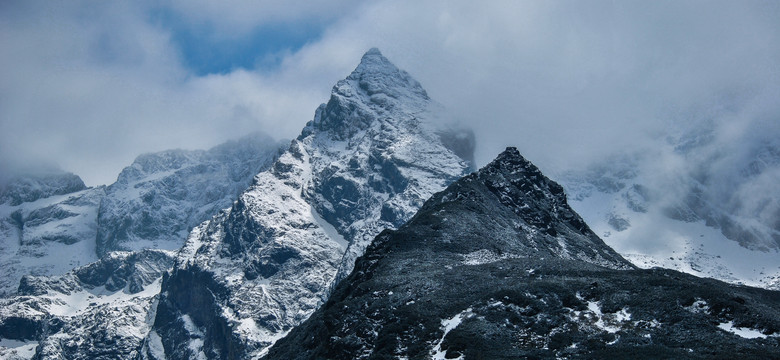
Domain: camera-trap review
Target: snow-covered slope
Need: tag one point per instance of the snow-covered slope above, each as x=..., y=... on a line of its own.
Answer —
x=51, y=223
x=676, y=222
x=48, y=235
x=104, y=308
x=158, y=199
x=367, y=162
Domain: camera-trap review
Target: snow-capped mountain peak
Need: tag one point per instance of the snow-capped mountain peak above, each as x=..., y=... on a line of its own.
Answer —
x=377, y=75
x=376, y=89
x=158, y=199
x=366, y=162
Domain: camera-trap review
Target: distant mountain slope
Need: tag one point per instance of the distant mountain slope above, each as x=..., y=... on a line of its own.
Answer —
x=18, y=189
x=101, y=309
x=158, y=199
x=96, y=311
x=367, y=162
x=686, y=219
x=51, y=223
x=49, y=235
x=498, y=266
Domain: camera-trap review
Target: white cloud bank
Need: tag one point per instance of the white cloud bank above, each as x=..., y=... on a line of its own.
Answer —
x=93, y=84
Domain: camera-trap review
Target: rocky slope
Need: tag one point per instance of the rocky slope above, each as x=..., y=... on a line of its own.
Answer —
x=51, y=223
x=367, y=162
x=498, y=266
x=19, y=189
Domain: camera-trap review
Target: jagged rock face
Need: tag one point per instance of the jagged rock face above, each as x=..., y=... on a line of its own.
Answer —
x=20, y=189
x=98, y=311
x=47, y=236
x=157, y=200
x=499, y=267
x=367, y=161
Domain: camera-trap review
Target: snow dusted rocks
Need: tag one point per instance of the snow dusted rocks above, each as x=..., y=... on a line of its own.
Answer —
x=51, y=223
x=498, y=266
x=28, y=188
x=47, y=225
x=158, y=199
x=367, y=161
x=97, y=311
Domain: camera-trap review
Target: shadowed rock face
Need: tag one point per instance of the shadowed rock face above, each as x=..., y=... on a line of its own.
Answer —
x=498, y=266
x=367, y=161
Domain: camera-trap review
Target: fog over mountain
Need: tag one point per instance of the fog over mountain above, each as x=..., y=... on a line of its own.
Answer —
x=90, y=86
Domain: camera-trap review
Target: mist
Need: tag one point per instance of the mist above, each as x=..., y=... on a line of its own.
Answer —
x=90, y=85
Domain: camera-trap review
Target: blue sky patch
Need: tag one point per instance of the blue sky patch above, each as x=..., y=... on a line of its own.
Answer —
x=205, y=52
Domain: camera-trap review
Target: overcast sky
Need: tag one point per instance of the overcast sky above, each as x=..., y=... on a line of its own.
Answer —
x=89, y=85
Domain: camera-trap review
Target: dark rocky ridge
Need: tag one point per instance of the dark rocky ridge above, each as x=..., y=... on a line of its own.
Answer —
x=498, y=266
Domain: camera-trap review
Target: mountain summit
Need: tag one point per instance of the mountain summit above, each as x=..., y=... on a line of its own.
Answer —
x=366, y=162
x=550, y=226
x=377, y=75
x=375, y=90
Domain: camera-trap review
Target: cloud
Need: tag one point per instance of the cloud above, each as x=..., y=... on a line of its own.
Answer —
x=570, y=82
x=94, y=84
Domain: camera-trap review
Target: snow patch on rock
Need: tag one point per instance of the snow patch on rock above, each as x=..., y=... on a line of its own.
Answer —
x=447, y=326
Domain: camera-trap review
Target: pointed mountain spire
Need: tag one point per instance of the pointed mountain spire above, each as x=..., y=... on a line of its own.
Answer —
x=377, y=75
x=367, y=162
x=375, y=89
x=374, y=61
x=521, y=186
x=512, y=188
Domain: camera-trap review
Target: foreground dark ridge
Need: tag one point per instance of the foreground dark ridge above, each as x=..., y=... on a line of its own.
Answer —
x=498, y=266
